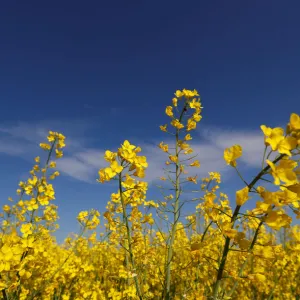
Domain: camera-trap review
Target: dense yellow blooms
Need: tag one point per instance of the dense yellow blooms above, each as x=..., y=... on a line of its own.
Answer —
x=154, y=249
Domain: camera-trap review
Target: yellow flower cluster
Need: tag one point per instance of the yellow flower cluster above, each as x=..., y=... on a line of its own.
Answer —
x=191, y=100
x=156, y=249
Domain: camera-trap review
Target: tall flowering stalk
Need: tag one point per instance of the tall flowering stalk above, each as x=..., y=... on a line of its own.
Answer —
x=185, y=114
x=126, y=165
x=34, y=215
x=271, y=209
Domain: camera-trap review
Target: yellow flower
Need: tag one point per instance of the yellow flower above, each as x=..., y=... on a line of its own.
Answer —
x=209, y=198
x=192, y=179
x=215, y=176
x=195, y=104
x=183, y=145
x=164, y=147
x=45, y=146
x=32, y=181
x=60, y=144
x=139, y=173
x=175, y=123
x=286, y=145
x=169, y=111
x=173, y=158
x=230, y=232
x=187, y=137
x=140, y=162
x=163, y=128
x=43, y=200
x=242, y=196
x=169, y=197
x=51, y=137
x=191, y=124
x=276, y=139
x=179, y=94
x=151, y=203
x=283, y=171
x=110, y=156
x=277, y=219
x=82, y=216
x=232, y=154
x=49, y=191
x=272, y=136
x=294, y=122
x=36, y=168
x=108, y=173
x=137, y=150
x=28, y=243
x=197, y=117
x=116, y=167
x=261, y=207
x=127, y=146
x=25, y=274
x=174, y=101
x=6, y=208
x=26, y=229
x=55, y=174
x=148, y=219
x=3, y=285
x=257, y=277
x=189, y=93
x=7, y=252
x=52, y=164
x=196, y=163
x=59, y=153
x=188, y=151
x=32, y=205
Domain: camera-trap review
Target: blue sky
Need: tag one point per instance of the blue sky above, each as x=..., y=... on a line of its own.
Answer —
x=103, y=71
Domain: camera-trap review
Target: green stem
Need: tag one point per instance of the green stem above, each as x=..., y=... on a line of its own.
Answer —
x=174, y=227
x=176, y=214
x=263, y=160
x=205, y=231
x=128, y=230
x=233, y=219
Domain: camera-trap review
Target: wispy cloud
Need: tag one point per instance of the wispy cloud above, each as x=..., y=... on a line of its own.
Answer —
x=82, y=162
x=76, y=168
x=252, y=142
x=11, y=147
x=82, y=165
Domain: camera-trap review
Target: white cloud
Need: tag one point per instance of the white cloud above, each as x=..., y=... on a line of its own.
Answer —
x=82, y=162
x=76, y=169
x=91, y=157
x=83, y=165
x=36, y=133
x=11, y=147
x=25, y=132
x=252, y=143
